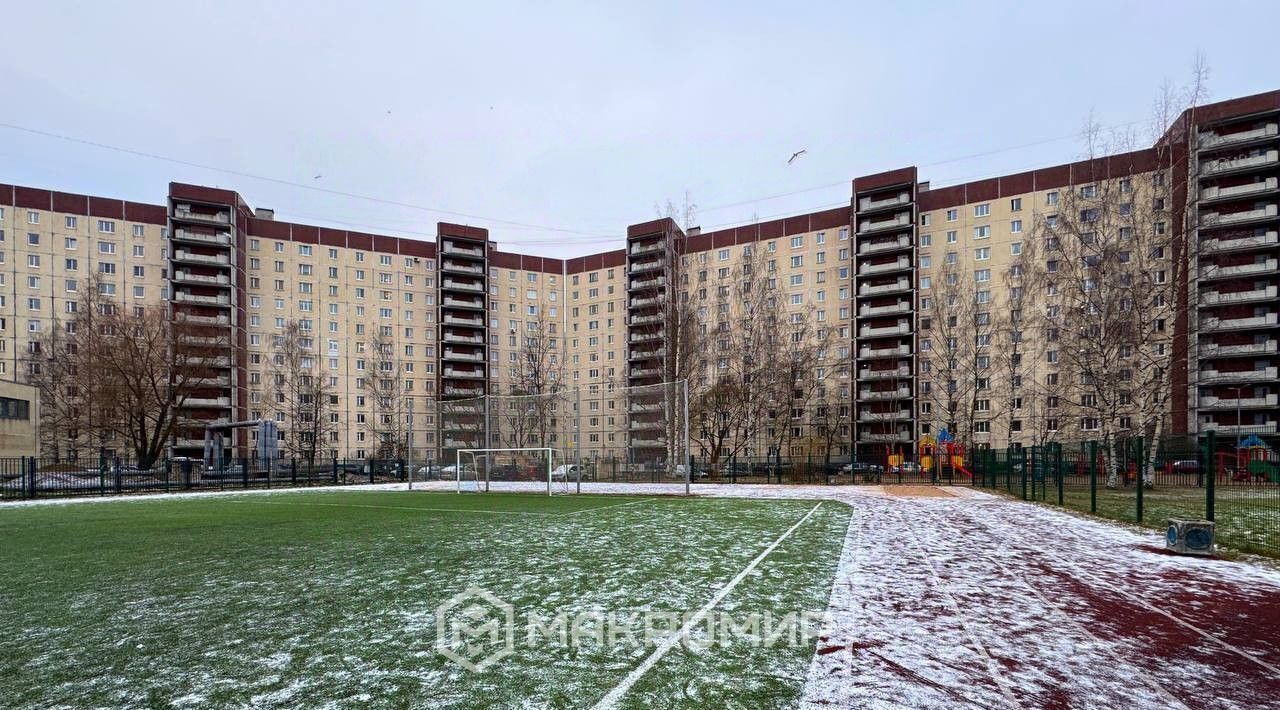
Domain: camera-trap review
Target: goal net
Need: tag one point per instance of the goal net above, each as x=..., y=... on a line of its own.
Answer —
x=609, y=432
x=478, y=468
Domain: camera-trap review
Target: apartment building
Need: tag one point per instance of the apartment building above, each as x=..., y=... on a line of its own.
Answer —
x=459, y=312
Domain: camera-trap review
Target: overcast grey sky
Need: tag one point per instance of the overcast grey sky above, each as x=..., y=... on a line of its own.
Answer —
x=585, y=116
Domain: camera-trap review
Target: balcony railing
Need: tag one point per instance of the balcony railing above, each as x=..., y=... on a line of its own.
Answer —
x=645, y=320
x=458, y=267
x=1212, y=402
x=462, y=285
x=867, y=437
x=1262, y=321
x=451, y=337
x=464, y=374
x=647, y=265
x=1265, y=374
x=1217, y=427
x=1213, y=271
x=896, y=286
x=207, y=402
x=1223, y=165
x=459, y=320
x=882, y=395
x=1211, y=349
x=871, y=226
x=1222, y=193
x=184, y=297
x=185, y=212
x=647, y=354
x=641, y=302
x=188, y=277
x=203, y=320
x=211, y=259
x=185, y=235
x=899, y=307
x=896, y=265
x=867, y=204
x=1218, y=244
x=1215, y=140
x=902, y=242
x=867, y=374
x=649, y=248
x=1215, y=298
x=467, y=357
x=649, y=283
x=902, y=328
x=645, y=371
x=643, y=336
x=884, y=416
x=459, y=303
x=1224, y=219
x=894, y=351
x=458, y=250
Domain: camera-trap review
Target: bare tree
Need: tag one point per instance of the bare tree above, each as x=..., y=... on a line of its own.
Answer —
x=384, y=388
x=948, y=366
x=300, y=392
x=51, y=365
x=533, y=412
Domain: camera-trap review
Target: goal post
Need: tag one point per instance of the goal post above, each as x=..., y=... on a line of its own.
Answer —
x=515, y=463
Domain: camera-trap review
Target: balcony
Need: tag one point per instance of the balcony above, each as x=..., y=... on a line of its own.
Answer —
x=1211, y=323
x=1243, y=429
x=453, y=391
x=645, y=407
x=644, y=336
x=184, y=235
x=1212, y=402
x=1258, y=241
x=903, y=284
x=884, y=395
x=1213, y=271
x=645, y=442
x=866, y=437
x=642, y=302
x=452, y=337
x=452, y=302
x=451, y=443
x=646, y=371
x=870, y=226
x=185, y=297
x=866, y=374
x=1209, y=139
x=902, y=242
x=183, y=211
x=638, y=267
x=208, y=341
x=902, y=328
x=1213, y=220
x=647, y=354
x=184, y=276
x=472, y=286
x=869, y=204
x=450, y=319
x=637, y=284
x=872, y=269
x=1215, y=298
x=203, y=320
x=457, y=267
x=207, y=402
x=455, y=249
x=208, y=259
x=216, y=361
x=465, y=357
x=646, y=320
x=1223, y=165
x=646, y=426
x=1213, y=193
x=899, y=307
x=866, y=351
x=884, y=416
x=1266, y=374
x=1211, y=349
x=650, y=248
x=454, y=373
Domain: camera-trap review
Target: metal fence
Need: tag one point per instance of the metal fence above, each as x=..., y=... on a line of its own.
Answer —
x=32, y=477
x=1233, y=481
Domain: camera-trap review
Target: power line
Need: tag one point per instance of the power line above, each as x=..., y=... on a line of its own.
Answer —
x=301, y=186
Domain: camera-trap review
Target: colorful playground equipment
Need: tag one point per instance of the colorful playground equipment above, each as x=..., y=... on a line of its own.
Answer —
x=945, y=451
x=1252, y=460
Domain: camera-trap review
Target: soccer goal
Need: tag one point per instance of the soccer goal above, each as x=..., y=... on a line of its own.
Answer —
x=477, y=468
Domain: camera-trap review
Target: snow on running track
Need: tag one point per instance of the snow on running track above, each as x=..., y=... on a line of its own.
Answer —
x=973, y=600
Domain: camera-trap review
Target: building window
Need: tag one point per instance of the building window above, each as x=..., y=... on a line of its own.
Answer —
x=982, y=210
x=1015, y=204
x=1016, y=226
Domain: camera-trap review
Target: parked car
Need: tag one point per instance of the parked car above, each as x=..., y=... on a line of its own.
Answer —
x=568, y=471
x=430, y=470
x=868, y=471
x=451, y=471
x=682, y=470
x=906, y=468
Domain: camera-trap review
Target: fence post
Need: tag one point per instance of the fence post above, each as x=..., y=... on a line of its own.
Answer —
x=267, y=463
x=1024, y=468
x=733, y=468
x=28, y=482
x=369, y=464
x=335, y=468
x=293, y=471
x=1093, y=476
x=168, y=469
x=1211, y=474
x=1057, y=457
x=1140, y=469
x=244, y=471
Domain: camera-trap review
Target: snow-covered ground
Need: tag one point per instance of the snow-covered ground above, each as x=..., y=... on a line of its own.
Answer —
x=972, y=599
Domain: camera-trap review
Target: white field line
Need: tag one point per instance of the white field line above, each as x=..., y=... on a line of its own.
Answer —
x=1072, y=621
x=406, y=507
x=1172, y=617
x=993, y=668
x=611, y=505
x=610, y=700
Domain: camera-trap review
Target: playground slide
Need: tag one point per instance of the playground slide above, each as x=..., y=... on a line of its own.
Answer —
x=965, y=471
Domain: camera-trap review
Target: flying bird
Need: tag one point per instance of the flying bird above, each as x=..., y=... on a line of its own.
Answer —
x=317, y=177
x=795, y=155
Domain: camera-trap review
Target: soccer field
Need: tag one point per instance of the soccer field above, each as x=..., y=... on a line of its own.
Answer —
x=307, y=599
